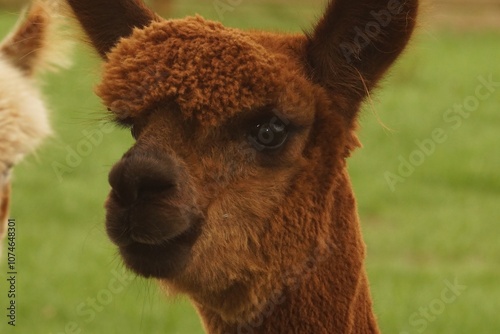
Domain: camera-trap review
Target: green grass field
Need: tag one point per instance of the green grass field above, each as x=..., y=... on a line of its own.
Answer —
x=436, y=225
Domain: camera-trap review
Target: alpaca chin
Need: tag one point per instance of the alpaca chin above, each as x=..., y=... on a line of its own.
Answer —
x=163, y=261
x=154, y=239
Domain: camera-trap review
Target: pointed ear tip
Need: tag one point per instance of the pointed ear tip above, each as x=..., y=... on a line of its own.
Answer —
x=57, y=47
x=104, y=24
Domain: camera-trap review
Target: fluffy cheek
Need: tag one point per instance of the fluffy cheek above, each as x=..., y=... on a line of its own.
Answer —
x=229, y=258
x=229, y=250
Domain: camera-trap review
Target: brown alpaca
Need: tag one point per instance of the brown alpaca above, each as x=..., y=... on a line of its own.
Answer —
x=236, y=191
x=29, y=49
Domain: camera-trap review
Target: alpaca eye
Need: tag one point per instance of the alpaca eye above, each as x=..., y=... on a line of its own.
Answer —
x=269, y=134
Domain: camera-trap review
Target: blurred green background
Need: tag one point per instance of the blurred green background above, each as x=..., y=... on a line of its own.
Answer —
x=440, y=226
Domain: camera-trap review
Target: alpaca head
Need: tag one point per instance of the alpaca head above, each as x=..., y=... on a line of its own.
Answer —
x=241, y=140
x=29, y=49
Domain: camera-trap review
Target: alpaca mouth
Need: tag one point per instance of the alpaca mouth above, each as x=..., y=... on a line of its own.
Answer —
x=154, y=240
x=163, y=260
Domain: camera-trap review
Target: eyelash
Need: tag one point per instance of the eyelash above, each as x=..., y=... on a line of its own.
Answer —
x=125, y=123
x=134, y=131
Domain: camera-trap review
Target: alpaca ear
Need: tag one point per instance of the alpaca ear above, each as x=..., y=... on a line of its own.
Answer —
x=356, y=42
x=106, y=21
x=36, y=43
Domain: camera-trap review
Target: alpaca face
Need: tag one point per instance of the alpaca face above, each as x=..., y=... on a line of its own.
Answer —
x=176, y=205
x=241, y=139
x=223, y=153
x=216, y=152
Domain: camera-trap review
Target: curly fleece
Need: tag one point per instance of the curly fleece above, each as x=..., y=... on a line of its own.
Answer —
x=210, y=71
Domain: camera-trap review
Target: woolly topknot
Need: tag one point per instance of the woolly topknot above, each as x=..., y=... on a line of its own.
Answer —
x=209, y=71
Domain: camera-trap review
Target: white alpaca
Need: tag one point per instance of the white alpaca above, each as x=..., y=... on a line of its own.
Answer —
x=29, y=49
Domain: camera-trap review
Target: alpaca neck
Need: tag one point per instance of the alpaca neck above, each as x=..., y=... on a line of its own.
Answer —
x=320, y=304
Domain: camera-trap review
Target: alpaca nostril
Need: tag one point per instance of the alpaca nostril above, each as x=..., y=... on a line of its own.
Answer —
x=138, y=177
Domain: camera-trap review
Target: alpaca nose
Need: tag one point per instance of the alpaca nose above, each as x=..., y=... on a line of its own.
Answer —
x=142, y=176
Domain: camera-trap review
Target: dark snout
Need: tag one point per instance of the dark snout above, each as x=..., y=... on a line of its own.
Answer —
x=151, y=212
x=142, y=178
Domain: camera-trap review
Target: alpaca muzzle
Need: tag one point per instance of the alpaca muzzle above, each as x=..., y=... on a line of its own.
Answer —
x=151, y=215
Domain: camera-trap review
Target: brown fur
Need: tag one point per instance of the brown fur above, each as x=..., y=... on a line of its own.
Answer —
x=119, y=17
x=261, y=241
x=234, y=72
